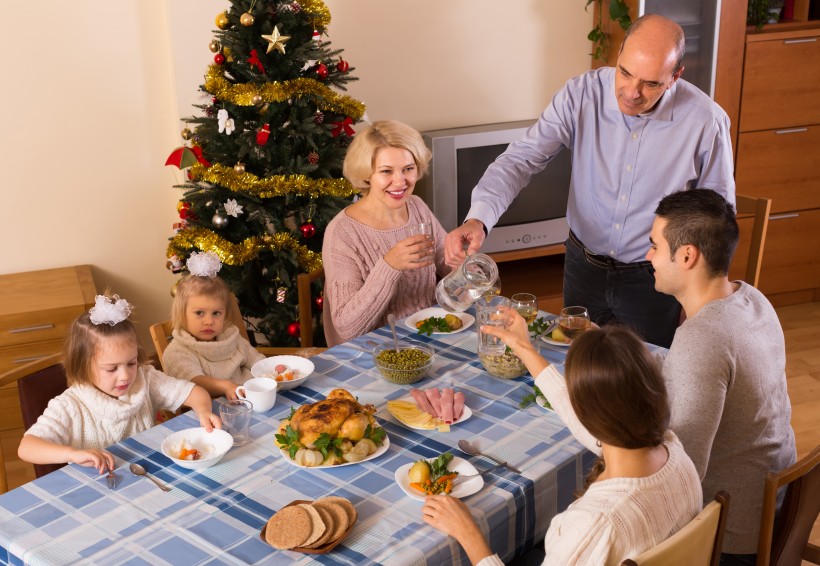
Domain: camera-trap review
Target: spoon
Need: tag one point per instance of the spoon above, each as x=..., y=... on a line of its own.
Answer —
x=138, y=470
x=468, y=448
x=391, y=320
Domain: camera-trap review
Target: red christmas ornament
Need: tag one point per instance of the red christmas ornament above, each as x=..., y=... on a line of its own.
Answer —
x=321, y=71
x=319, y=302
x=219, y=58
x=263, y=135
x=342, y=66
x=183, y=205
x=343, y=126
x=317, y=36
x=313, y=157
x=254, y=61
x=187, y=214
x=294, y=329
x=308, y=229
x=318, y=117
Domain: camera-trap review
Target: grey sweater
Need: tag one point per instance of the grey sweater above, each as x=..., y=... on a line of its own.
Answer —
x=726, y=377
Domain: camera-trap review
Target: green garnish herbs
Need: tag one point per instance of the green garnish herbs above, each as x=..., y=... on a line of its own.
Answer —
x=290, y=441
x=531, y=398
x=433, y=324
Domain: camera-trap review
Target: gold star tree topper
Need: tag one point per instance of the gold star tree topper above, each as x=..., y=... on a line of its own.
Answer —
x=276, y=40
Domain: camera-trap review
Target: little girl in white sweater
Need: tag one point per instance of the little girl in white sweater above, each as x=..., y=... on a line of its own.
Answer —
x=207, y=347
x=110, y=394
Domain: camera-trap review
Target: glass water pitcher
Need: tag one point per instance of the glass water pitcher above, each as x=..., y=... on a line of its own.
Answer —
x=461, y=287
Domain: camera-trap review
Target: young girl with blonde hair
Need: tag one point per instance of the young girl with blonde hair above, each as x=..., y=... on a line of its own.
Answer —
x=111, y=394
x=207, y=347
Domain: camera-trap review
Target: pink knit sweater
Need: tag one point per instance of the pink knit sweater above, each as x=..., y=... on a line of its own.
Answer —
x=360, y=286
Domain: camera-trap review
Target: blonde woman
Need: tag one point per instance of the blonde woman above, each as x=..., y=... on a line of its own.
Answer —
x=373, y=265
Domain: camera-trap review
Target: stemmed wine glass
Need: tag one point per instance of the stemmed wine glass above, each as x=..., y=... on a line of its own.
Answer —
x=526, y=304
x=573, y=321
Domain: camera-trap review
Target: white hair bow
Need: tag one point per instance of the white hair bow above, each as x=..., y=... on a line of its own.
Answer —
x=111, y=310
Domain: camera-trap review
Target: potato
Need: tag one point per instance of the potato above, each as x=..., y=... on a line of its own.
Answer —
x=558, y=336
x=419, y=472
x=453, y=321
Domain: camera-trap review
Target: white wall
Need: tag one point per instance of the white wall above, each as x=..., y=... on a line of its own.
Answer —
x=93, y=92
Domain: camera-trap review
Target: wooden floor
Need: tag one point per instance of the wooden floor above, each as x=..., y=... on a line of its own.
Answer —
x=801, y=325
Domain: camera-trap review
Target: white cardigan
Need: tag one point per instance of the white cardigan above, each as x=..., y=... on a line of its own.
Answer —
x=620, y=517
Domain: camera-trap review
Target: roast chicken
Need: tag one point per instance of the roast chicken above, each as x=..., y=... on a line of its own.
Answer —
x=339, y=415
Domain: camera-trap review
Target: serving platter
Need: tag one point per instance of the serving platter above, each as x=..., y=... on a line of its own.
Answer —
x=379, y=451
x=549, y=340
x=462, y=488
x=466, y=413
x=466, y=319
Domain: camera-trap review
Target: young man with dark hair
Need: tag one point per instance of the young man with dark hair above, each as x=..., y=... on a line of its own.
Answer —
x=726, y=368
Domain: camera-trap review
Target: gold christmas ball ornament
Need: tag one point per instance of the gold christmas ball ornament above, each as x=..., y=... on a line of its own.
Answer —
x=257, y=99
x=239, y=168
x=214, y=45
x=222, y=21
x=186, y=134
x=246, y=19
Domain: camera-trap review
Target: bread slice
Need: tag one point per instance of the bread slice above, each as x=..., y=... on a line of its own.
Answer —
x=352, y=514
x=340, y=520
x=289, y=527
x=319, y=526
x=327, y=518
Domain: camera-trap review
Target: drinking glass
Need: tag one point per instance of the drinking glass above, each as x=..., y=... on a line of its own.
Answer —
x=491, y=310
x=526, y=304
x=236, y=418
x=573, y=321
x=424, y=229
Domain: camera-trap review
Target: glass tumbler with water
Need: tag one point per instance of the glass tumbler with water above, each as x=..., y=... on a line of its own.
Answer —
x=466, y=283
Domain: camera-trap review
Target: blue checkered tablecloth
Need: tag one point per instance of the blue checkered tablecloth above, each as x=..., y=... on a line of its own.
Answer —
x=214, y=516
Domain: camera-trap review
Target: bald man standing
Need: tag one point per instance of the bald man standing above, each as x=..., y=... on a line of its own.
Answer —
x=637, y=132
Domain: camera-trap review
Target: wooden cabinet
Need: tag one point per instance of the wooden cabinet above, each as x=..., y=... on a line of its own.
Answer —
x=777, y=152
x=539, y=271
x=36, y=309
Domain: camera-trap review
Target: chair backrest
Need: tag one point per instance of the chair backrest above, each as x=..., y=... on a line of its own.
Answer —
x=760, y=209
x=784, y=541
x=698, y=543
x=303, y=284
x=38, y=382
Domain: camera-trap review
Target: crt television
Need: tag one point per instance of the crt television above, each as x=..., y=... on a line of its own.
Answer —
x=537, y=216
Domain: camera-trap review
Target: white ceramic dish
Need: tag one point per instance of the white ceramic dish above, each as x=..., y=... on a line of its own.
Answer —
x=381, y=450
x=466, y=319
x=466, y=413
x=462, y=489
x=549, y=340
x=213, y=445
x=266, y=368
x=542, y=402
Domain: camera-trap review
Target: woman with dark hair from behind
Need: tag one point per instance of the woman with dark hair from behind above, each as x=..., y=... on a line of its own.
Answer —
x=642, y=489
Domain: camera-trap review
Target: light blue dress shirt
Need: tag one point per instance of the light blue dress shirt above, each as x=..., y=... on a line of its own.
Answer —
x=621, y=165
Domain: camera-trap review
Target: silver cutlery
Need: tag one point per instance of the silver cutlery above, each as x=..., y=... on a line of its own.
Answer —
x=138, y=470
x=391, y=320
x=481, y=473
x=468, y=448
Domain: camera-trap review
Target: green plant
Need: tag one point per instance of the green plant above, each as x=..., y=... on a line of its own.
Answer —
x=758, y=13
x=601, y=43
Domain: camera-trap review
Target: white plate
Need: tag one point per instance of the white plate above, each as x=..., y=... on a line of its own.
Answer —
x=381, y=450
x=554, y=342
x=265, y=368
x=466, y=319
x=466, y=413
x=462, y=488
x=213, y=445
x=542, y=402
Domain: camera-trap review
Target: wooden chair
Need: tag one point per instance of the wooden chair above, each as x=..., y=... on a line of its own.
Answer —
x=785, y=540
x=759, y=208
x=698, y=543
x=37, y=383
x=303, y=283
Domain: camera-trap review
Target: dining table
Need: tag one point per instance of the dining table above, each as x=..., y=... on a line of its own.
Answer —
x=215, y=515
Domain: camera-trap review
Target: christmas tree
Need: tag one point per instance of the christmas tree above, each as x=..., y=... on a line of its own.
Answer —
x=264, y=161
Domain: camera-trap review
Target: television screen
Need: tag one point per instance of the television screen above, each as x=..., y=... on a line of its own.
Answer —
x=544, y=198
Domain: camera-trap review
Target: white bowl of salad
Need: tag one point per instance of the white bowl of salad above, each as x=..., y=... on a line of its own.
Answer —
x=288, y=371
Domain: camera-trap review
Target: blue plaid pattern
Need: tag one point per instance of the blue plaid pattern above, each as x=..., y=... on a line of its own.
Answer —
x=214, y=516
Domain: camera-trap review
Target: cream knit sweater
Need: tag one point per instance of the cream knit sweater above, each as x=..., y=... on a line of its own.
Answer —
x=84, y=417
x=620, y=517
x=229, y=356
x=360, y=286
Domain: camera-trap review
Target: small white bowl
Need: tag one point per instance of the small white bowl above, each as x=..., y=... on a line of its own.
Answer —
x=214, y=445
x=267, y=368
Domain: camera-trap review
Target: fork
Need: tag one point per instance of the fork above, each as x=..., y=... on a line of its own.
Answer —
x=111, y=479
x=481, y=473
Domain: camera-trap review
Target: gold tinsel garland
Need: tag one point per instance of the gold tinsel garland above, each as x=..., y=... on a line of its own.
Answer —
x=243, y=252
x=320, y=15
x=273, y=186
x=242, y=94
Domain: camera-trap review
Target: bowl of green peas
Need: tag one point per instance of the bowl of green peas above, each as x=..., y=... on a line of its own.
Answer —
x=408, y=364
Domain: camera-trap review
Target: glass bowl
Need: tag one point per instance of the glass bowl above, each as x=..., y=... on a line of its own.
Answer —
x=406, y=366
x=503, y=366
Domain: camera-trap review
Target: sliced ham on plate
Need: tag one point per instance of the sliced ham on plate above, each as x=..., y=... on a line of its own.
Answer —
x=434, y=397
x=458, y=404
x=421, y=400
x=447, y=405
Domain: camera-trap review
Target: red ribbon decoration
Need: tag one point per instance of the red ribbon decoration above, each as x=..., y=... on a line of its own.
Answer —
x=198, y=152
x=343, y=126
x=254, y=60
